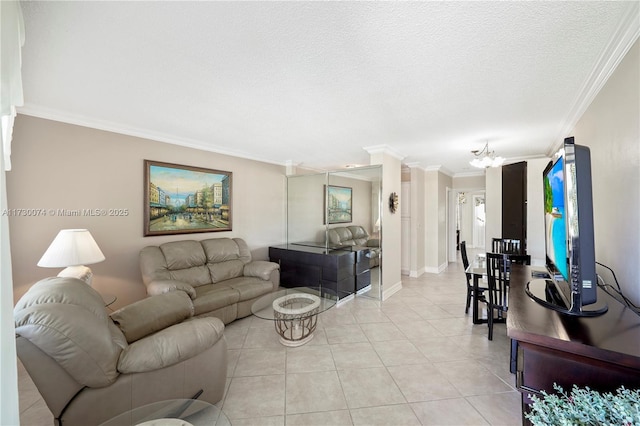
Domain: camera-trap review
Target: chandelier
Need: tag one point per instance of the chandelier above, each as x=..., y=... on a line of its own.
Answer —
x=485, y=158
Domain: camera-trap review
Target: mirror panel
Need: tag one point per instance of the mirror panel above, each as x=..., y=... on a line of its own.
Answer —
x=317, y=203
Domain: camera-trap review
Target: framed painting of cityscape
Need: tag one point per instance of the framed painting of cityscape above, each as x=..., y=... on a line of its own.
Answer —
x=182, y=199
x=338, y=208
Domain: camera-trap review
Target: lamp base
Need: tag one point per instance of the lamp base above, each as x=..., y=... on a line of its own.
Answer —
x=81, y=272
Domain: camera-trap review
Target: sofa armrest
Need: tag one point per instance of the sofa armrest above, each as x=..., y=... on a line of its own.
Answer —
x=374, y=242
x=260, y=268
x=164, y=286
x=171, y=345
x=152, y=314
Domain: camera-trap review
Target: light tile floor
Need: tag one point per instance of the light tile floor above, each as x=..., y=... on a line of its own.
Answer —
x=414, y=359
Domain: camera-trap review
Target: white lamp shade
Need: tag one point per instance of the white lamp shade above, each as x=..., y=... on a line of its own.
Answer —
x=487, y=161
x=71, y=247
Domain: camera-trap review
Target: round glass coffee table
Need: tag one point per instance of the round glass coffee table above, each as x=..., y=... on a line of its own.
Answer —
x=175, y=412
x=294, y=311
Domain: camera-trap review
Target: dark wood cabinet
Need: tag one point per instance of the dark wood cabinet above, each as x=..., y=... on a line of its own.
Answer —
x=601, y=352
x=344, y=270
x=362, y=269
x=514, y=202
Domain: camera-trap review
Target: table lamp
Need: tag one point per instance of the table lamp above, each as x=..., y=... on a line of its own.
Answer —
x=73, y=248
x=376, y=228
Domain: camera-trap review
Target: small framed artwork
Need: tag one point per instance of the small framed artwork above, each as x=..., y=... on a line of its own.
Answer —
x=340, y=200
x=183, y=199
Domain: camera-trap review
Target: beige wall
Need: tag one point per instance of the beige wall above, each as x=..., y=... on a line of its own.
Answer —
x=436, y=184
x=475, y=182
x=431, y=208
x=63, y=166
x=444, y=182
x=611, y=128
x=417, y=223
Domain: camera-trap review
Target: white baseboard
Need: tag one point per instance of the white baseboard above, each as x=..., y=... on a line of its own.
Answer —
x=387, y=293
x=437, y=270
x=349, y=298
x=364, y=289
x=416, y=274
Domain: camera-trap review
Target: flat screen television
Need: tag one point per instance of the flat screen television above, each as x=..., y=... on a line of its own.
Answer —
x=569, y=234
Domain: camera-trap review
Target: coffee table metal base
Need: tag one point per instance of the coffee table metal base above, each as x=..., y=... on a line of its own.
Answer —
x=296, y=318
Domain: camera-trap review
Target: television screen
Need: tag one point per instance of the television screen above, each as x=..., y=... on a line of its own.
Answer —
x=555, y=220
x=569, y=236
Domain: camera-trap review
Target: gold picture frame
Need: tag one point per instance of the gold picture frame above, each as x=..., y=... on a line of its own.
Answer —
x=182, y=199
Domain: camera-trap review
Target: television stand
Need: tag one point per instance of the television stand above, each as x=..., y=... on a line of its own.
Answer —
x=600, y=352
x=546, y=293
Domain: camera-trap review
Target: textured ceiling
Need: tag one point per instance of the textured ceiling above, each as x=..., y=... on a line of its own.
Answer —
x=314, y=83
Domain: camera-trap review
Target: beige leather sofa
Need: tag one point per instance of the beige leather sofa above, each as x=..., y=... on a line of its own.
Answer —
x=356, y=236
x=90, y=366
x=218, y=274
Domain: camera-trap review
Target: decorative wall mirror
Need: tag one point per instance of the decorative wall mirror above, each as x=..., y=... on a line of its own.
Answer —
x=393, y=202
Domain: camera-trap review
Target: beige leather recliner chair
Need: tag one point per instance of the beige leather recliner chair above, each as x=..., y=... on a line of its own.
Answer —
x=90, y=366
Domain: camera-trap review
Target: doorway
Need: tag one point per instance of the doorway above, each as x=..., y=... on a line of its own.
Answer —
x=466, y=220
x=479, y=221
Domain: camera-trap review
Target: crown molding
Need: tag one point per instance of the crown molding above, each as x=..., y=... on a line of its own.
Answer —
x=622, y=40
x=480, y=172
x=108, y=126
x=384, y=149
x=413, y=165
x=439, y=168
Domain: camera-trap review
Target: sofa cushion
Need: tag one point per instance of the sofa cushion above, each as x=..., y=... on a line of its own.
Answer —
x=164, y=263
x=195, y=276
x=243, y=249
x=225, y=270
x=183, y=254
x=152, y=314
x=358, y=235
x=249, y=287
x=214, y=296
x=220, y=250
x=341, y=236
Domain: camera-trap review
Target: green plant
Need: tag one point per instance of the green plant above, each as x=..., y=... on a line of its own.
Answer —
x=584, y=406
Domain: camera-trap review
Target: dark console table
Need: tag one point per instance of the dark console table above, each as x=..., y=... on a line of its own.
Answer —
x=601, y=352
x=344, y=270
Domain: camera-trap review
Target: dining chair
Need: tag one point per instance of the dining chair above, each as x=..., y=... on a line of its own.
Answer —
x=465, y=263
x=506, y=245
x=470, y=292
x=498, y=266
